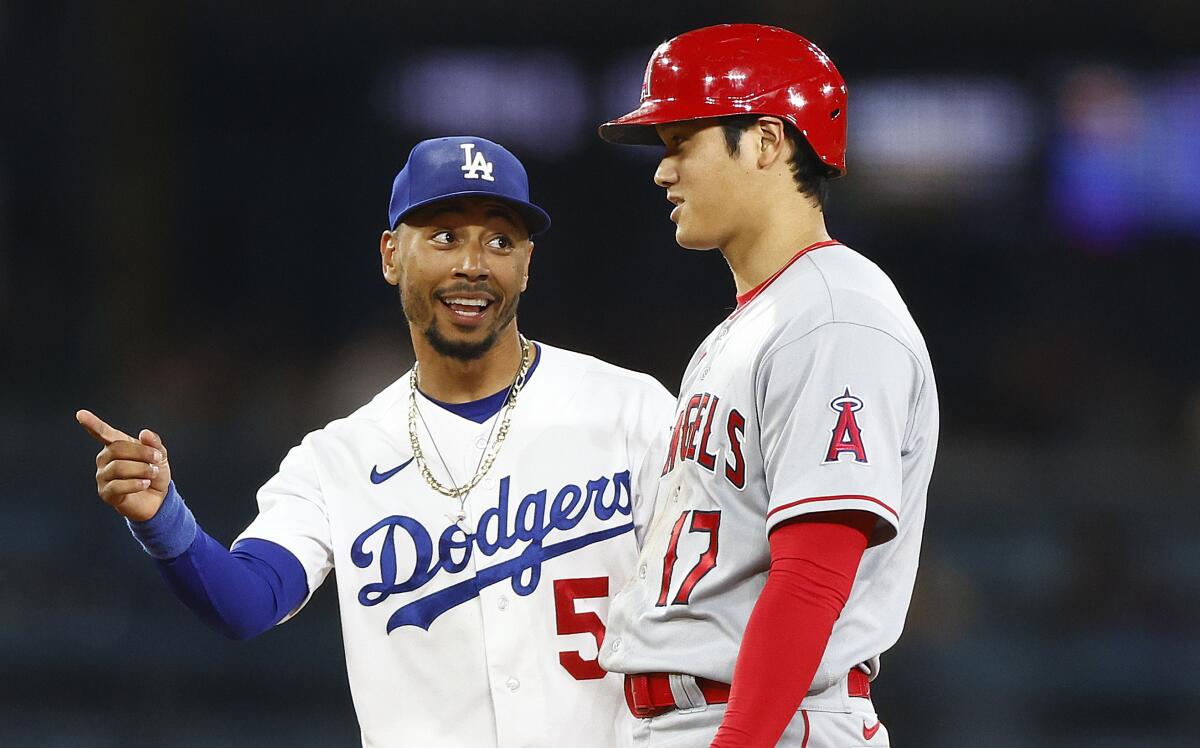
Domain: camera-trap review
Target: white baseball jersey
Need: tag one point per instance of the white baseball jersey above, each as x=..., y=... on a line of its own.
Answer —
x=815, y=395
x=482, y=632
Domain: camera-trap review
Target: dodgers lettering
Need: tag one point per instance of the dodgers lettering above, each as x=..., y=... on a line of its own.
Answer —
x=531, y=523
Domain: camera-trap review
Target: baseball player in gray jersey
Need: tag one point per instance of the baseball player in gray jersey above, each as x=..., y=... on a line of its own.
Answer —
x=780, y=560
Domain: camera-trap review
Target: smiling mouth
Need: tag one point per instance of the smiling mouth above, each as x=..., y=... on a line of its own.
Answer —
x=466, y=308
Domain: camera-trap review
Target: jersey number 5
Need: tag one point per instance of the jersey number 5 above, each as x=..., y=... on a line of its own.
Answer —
x=570, y=621
x=709, y=522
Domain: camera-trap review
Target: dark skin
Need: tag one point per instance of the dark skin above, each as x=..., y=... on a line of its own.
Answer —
x=473, y=249
x=461, y=266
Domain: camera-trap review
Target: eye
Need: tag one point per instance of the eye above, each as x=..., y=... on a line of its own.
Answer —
x=442, y=237
x=500, y=241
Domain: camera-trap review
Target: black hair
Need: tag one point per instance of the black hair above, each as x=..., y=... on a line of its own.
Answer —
x=812, y=175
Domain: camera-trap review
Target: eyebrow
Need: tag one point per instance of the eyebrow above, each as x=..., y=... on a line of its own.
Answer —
x=495, y=211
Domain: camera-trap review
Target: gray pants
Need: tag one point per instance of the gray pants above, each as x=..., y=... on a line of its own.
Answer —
x=808, y=729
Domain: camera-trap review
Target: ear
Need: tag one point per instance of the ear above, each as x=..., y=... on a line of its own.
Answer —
x=389, y=252
x=771, y=139
x=528, y=260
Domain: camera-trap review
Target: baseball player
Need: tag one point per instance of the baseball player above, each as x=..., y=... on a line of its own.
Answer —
x=480, y=511
x=780, y=560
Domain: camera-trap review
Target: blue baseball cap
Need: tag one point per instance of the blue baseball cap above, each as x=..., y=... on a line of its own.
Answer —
x=445, y=168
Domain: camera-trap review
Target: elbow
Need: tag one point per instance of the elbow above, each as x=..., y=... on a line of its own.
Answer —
x=237, y=630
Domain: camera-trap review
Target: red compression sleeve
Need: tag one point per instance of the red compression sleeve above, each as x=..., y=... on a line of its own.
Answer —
x=813, y=563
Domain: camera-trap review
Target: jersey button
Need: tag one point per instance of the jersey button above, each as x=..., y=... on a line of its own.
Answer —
x=489, y=482
x=642, y=571
x=512, y=684
x=481, y=442
x=616, y=644
x=502, y=603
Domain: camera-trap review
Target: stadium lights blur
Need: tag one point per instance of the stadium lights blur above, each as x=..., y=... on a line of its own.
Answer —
x=921, y=137
x=1126, y=158
x=534, y=102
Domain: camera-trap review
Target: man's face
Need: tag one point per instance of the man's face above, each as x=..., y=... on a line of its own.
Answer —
x=702, y=180
x=461, y=265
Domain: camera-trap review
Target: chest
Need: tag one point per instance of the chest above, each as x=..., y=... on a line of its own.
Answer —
x=715, y=417
x=555, y=492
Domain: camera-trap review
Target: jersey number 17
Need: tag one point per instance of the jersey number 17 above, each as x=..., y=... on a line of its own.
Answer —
x=702, y=522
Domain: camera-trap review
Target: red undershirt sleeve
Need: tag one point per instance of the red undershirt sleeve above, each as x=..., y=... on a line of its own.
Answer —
x=814, y=559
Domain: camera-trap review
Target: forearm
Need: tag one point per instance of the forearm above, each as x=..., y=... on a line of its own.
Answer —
x=239, y=593
x=812, y=570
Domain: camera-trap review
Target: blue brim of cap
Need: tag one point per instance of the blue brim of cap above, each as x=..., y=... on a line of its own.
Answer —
x=536, y=219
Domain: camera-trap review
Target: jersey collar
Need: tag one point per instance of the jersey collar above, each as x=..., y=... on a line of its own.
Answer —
x=483, y=409
x=745, y=298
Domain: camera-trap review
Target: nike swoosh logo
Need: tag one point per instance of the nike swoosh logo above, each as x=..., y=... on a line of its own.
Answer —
x=378, y=477
x=869, y=732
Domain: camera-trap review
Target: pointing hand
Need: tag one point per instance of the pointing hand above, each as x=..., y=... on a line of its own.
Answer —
x=132, y=475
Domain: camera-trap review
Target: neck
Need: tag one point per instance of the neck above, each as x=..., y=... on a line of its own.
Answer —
x=453, y=380
x=756, y=253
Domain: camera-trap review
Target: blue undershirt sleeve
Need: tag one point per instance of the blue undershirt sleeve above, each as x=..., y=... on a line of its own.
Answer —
x=239, y=593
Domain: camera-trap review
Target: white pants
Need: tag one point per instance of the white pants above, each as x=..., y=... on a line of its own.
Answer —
x=808, y=729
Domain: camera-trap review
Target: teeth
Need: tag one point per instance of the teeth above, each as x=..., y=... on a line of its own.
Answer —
x=467, y=302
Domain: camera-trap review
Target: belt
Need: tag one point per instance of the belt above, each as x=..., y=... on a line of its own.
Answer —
x=651, y=694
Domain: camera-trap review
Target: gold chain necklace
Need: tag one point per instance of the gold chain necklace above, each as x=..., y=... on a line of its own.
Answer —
x=492, y=449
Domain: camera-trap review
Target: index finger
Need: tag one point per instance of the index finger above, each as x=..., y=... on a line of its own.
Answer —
x=99, y=430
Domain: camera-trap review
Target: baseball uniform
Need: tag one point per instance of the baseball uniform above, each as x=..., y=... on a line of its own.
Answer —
x=815, y=395
x=481, y=631
x=476, y=544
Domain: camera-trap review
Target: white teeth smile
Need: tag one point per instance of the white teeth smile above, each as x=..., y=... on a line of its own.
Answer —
x=467, y=307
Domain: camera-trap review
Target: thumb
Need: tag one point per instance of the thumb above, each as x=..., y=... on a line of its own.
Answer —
x=152, y=439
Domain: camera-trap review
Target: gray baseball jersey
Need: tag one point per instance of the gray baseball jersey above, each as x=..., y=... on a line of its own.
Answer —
x=816, y=394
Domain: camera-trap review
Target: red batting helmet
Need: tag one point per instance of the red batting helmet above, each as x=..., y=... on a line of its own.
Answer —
x=742, y=68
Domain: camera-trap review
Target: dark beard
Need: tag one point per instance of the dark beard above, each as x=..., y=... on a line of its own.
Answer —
x=464, y=351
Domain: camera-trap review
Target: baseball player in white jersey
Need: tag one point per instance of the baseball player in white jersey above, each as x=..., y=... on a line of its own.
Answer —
x=781, y=558
x=480, y=511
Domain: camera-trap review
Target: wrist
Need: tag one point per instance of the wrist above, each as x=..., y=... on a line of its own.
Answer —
x=170, y=531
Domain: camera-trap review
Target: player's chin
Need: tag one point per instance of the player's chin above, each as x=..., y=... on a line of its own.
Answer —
x=691, y=239
x=455, y=342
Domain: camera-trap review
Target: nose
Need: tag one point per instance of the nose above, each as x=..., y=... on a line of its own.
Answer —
x=665, y=175
x=472, y=264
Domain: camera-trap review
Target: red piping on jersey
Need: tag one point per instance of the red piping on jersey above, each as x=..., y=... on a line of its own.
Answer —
x=745, y=298
x=804, y=714
x=834, y=498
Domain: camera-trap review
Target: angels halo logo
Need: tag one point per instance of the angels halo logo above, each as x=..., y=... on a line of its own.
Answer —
x=847, y=436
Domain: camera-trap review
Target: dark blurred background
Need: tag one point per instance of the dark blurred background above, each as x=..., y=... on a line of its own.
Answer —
x=190, y=202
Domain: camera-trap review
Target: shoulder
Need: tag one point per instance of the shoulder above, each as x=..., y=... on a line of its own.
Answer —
x=378, y=407
x=368, y=422
x=601, y=375
x=843, y=289
x=855, y=289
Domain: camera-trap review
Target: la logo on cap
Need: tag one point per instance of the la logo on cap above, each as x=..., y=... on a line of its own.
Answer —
x=476, y=167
